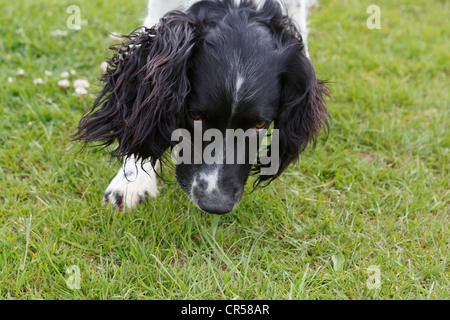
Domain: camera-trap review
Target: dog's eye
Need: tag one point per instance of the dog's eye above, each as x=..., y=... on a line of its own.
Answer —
x=195, y=116
x=260, y=125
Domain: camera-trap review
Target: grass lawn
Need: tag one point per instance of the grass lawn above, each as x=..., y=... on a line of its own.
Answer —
x=374, y=195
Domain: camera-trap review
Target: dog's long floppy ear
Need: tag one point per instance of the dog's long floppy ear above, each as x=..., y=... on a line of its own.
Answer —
x=144, y=93
x=302, y=108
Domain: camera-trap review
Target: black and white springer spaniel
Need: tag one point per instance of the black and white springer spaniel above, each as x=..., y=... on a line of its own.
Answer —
x=226, y=64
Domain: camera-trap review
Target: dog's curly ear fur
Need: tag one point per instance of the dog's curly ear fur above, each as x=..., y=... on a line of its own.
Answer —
x=144, y=93
x=302, y=108
x=303, y=111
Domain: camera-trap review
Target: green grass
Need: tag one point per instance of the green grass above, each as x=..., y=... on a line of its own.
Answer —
x=374, y=194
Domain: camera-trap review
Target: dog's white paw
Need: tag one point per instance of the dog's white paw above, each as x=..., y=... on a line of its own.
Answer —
x=134, y=184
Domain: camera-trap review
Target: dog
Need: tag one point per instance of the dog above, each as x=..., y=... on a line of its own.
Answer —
x=220, y=64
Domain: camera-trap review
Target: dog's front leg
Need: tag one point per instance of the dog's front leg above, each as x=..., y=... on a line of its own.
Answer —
x=134, y=184
x=299, y=11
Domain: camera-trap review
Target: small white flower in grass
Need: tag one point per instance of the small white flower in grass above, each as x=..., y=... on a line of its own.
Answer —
x=73, y=72
x=38, y=81
x=20, y=72
x=81, y=91
x=81, y=83
x=10, y=80
x=48, y=73
x=65, y=74
x=104, y=66
x=64, y=83
x=59, y=33
x=116, y=37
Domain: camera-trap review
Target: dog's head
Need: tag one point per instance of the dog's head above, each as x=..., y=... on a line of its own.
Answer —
x=215, y=68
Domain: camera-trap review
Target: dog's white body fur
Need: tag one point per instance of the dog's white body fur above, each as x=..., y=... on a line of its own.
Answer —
x=136, y=180
x=297, y=9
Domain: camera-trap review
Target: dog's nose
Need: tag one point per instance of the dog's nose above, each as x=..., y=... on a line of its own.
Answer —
x=216, y=205
x=215, y=193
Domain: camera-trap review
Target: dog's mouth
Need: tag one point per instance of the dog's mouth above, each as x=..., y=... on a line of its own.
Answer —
x=211, y=189
x=216, y=202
